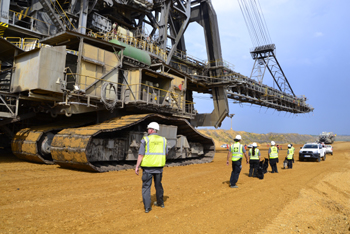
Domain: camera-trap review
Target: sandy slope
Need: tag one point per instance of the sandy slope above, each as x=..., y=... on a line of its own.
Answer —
x=311, y=198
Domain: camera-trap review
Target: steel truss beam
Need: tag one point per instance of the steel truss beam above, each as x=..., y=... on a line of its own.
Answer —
x=264, y=57
x=9, y=105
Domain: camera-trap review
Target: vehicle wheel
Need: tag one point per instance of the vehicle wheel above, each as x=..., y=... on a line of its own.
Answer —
x=319, y=159
x=332, y=154
x=301, y=159
x=324, y=158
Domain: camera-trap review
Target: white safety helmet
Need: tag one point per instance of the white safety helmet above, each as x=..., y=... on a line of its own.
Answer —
x=153, y=125
x=238, y=137
x=255, y=145
x=289, y=146
x=273, y=143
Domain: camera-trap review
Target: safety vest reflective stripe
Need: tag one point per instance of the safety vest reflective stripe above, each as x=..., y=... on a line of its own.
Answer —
x=155, y=151
x=147, y=149
x=237, y=151
x=290, y=154
x=256, y=156
x=274, y=152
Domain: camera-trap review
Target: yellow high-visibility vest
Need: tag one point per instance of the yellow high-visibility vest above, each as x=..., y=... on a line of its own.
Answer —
x=274, y=152
x=293, y=149
x=256, y=156
x=237, y=151
x=155, y=151
x=290, y=154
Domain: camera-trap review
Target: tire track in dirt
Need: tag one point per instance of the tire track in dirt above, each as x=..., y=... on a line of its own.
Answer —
x=311, y=198
x=322, y=208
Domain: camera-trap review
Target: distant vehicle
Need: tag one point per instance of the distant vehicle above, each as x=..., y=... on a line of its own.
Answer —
x=312, y=151
x=326, y=137
x=329, y=149
x=224, y=146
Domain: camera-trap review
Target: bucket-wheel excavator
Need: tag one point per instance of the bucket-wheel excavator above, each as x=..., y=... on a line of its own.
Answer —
x=81, y=79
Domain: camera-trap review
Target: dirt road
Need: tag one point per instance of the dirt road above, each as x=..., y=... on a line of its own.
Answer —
x=313, y=197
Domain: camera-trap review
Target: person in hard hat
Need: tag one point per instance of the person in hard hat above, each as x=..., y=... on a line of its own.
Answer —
x=254, y=159
x=293, y=150
x=290, y=157
x=273, y=157
x=236, y=153
x=152, y=157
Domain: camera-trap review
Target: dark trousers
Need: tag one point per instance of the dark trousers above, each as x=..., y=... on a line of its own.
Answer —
x=146, y=188
x=253, y=169
x=236, y=169
x=273, y=164
x=290, y=163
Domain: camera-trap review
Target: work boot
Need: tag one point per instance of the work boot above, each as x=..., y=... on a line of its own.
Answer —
x=234, y=186
x=148, y=210
x=156, y=204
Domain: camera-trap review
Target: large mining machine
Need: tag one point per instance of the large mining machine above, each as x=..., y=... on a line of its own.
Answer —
x=326, y=137
x=80, y=80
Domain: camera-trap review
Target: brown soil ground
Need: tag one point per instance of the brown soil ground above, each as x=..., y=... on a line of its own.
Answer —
x=313, y=197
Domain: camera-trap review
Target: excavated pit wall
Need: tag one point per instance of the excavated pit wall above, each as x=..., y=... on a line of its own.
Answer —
x=221, y=136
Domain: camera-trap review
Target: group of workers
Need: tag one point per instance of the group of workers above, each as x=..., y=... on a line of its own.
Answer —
x=237, y=150
x=152, y=157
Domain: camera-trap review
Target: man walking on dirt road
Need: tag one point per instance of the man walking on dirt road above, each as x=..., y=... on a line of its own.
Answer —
x=152, y=156
x=236, y=153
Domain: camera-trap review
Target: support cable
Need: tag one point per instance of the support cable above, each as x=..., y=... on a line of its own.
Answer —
x=264, y=22
x=245, y=20
x=255, y=22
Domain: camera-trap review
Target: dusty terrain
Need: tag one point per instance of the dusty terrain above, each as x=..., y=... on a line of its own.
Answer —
x=313, y=197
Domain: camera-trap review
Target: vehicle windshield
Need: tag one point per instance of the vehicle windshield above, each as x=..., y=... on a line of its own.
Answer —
x=310, y=147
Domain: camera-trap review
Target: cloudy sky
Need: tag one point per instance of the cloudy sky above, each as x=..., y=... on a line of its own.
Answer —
x=312, y=38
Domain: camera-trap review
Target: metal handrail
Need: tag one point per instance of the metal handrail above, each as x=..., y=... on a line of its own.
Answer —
x=142, y=93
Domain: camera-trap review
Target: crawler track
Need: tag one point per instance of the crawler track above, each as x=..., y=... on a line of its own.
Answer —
x=71, y=148
x=27, y=142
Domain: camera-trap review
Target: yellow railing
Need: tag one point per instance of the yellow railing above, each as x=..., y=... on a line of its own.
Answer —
x=19, y=15
x=221, y=62
x=24, y=43
x=30, y=44
x=17, y=41
x=130, y=40
x=140, y=44
x=58, y=12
